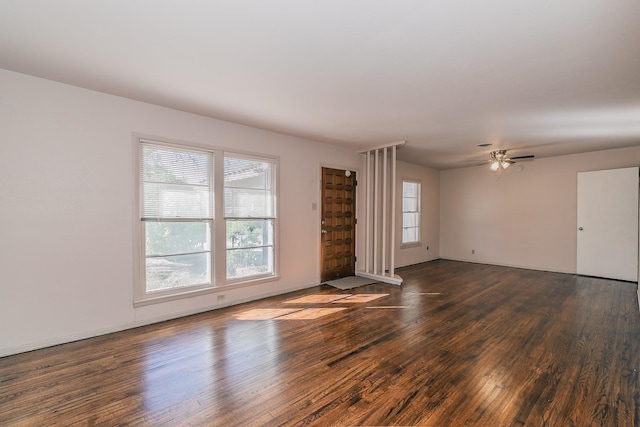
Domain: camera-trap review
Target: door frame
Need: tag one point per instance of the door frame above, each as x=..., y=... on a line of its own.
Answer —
x=319, y=214
x=585, y=253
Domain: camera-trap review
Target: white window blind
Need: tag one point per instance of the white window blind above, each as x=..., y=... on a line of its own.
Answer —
x=249, y=188
x=177, y=183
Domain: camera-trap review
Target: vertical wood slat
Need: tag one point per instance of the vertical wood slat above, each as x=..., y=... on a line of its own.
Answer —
x=381, y=216
x=376, y=215
x=368, y=201
x=392, y=253
x=385, y=206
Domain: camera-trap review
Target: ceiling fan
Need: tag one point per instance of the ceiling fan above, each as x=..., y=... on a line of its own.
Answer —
x=499, y=161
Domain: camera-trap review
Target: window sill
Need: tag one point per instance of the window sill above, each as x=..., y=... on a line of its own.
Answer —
x=410, y=245
x=157, y=299
x=254, y=280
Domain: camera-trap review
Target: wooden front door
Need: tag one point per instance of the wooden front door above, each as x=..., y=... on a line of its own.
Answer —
x=338, y=225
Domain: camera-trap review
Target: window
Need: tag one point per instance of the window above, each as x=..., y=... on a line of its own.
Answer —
x=249, y=211
x=177, y=212
x=410, y=212
x=179, y=188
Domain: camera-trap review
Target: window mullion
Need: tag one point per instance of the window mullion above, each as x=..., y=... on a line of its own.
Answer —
x=219, y=231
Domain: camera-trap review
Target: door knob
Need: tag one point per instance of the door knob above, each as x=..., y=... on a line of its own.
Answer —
x=324, y=231
x=580, y=228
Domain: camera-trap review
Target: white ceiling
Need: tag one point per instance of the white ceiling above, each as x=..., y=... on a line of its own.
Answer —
x=544, y=77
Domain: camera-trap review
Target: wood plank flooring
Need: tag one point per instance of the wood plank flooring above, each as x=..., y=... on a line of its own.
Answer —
x=458, y=344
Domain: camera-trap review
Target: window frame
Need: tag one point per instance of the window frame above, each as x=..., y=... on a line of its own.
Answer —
x=418, y=226
x=217, y=228
x=273, y=219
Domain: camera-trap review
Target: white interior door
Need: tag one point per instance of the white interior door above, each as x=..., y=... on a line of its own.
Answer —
x=608, y=224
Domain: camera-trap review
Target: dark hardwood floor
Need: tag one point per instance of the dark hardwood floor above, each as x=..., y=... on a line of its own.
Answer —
x=458, y=344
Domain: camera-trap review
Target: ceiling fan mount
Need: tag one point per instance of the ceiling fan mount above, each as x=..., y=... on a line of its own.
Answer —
x=499, y=160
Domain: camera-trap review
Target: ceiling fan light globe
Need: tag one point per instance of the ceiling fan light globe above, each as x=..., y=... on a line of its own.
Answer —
x=505, y=165
x=494, y=166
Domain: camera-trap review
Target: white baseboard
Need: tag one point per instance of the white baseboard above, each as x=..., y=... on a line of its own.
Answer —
x=9, y=351
x=525, y=267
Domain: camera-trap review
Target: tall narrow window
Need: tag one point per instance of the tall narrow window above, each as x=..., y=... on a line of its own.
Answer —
x=410, y=212
x=177, y=213
x=249, y=210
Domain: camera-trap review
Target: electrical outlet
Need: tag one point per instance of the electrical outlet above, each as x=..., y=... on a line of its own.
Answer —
x=220, y=297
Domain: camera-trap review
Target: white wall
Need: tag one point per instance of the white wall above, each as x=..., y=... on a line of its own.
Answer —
x=522, y=219
x=429, y=218
x=66, y=209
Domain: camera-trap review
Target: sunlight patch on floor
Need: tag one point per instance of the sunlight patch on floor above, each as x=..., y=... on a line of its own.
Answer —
x=359, y=298
x=311, y=313
x=318, y=299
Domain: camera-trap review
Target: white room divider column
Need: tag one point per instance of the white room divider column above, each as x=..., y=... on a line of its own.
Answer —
x=380, y=202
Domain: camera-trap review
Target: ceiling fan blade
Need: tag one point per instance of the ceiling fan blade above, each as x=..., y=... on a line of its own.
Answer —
x=530, y=156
